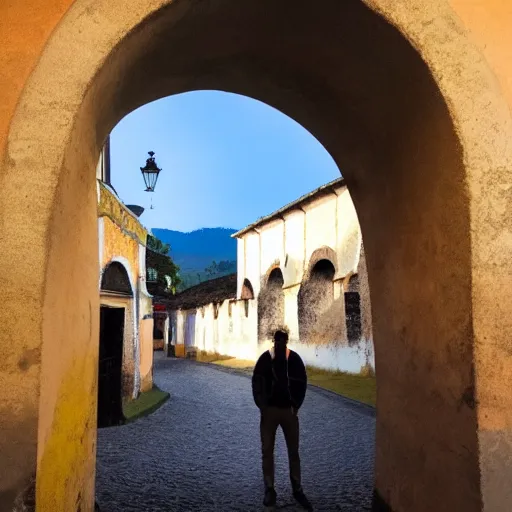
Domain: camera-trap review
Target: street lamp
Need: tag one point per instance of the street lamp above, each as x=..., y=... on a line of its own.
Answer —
x=150, y=172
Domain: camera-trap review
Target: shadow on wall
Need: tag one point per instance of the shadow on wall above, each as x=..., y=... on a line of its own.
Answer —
x=336, y=326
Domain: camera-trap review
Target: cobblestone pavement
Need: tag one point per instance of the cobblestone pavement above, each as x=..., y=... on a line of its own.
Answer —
x=200, y=451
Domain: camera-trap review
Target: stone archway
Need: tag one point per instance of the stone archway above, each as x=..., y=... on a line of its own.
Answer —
x=410, y=111
x=271, y=305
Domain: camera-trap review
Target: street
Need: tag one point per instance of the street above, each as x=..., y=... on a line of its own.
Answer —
x=201, y=450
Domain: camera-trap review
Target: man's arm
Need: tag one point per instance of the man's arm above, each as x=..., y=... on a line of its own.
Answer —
x=298, y=382
x=258, y=383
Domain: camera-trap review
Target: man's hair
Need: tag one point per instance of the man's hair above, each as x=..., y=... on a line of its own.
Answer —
x=280, y=336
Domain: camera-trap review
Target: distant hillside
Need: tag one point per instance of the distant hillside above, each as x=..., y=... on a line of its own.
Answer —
x=194, y=252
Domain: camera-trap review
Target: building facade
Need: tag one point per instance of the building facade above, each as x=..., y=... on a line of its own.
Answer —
x=301, y=268
x=125, y=303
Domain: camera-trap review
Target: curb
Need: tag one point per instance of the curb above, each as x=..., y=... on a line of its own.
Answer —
x=150, y=410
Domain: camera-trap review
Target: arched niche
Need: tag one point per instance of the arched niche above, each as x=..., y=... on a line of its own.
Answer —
x=271, y=305
x=247, y=290
x=315, y=296
x=115, y=280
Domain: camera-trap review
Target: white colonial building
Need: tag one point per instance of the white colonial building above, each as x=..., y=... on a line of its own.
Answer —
x=301, y=267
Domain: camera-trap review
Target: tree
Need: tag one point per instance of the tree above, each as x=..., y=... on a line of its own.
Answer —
x=167, y=272
x=155, y=244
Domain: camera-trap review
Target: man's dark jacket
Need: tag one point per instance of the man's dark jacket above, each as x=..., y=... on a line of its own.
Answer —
x=279, y=383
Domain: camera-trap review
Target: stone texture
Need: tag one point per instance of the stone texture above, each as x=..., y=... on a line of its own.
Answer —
x=201, y=451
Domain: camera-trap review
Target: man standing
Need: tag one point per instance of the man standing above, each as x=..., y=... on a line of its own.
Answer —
x=279, y=386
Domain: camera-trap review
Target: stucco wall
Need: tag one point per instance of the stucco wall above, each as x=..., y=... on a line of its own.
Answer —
x=146, y=354
x=122, y=239
x=329, y=222
x=231, y=333
x=325, y=227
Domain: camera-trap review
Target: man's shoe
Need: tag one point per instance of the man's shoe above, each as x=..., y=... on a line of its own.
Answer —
x=270, y=497
x=302, y=499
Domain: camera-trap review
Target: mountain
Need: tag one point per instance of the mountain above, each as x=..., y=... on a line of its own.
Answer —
x=195, y=251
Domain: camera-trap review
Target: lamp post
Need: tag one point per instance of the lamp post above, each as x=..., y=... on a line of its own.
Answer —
x=150, y=172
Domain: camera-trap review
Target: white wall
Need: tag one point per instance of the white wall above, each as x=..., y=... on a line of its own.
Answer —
x=328, y=222
x=295, y=248
x=229, y=334
x=321, y=220
x=236, y=336
x=271, y=246
x=252, y=262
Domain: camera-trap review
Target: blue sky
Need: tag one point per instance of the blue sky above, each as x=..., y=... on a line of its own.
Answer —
x=226, y=160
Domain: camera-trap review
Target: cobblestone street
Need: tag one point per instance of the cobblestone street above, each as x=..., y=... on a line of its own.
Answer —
x=201, y=450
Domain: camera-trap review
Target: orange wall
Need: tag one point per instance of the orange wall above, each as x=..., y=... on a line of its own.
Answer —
x=25, y=26
x=489, y=23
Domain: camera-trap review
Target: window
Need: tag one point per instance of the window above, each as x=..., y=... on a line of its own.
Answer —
x=152, y=275
x=353, y=316
x=246, y=307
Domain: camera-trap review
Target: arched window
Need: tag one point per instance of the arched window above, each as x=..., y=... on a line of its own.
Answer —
x=316, y=295
x=271, y=305
x=115, y=279
x=247, y=290
x=353, y=310
x=353, y=316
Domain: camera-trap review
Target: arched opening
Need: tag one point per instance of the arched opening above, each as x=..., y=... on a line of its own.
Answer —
x=115, y=280
x=417, y=123
x=247, y=290
x=315, y=296
x=116, y=298
x=271, y=306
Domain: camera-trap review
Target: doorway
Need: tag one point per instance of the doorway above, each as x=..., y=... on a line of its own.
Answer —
x=110, y=406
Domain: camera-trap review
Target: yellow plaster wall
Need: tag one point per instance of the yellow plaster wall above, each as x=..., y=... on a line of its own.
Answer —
x=68, y=383
x=110, y=206
x=146, y=354
x=117, y=243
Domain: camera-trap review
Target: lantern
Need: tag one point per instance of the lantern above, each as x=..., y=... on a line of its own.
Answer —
x=150, y=172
